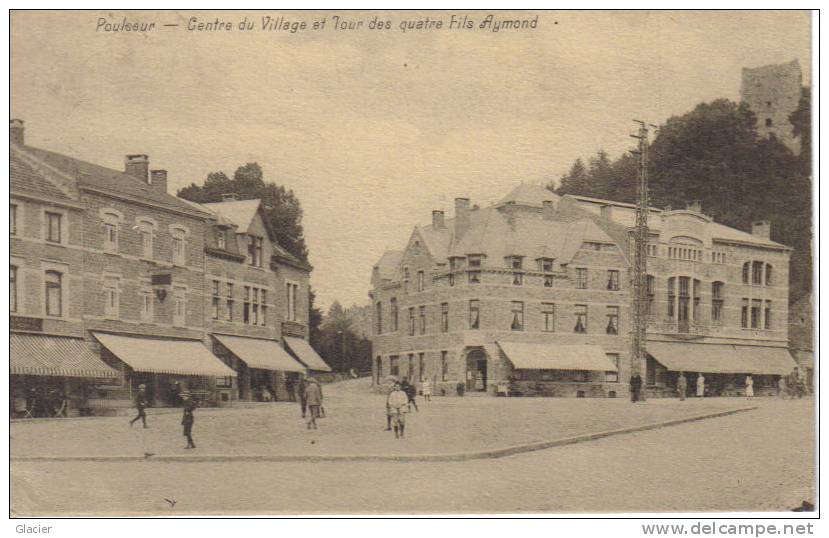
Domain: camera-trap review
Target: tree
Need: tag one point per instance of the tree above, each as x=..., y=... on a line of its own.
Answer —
x=338, y=343
x=282, y=208
x=314, y=320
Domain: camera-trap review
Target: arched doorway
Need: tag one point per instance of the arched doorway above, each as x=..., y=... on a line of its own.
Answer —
x=476, y=375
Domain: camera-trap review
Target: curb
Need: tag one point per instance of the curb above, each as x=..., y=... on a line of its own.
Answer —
x=458, y=456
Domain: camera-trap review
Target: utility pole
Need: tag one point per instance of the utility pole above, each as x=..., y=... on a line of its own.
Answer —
x=640, y=257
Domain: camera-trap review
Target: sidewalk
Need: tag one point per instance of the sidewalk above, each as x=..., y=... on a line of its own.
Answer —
x=446, y=429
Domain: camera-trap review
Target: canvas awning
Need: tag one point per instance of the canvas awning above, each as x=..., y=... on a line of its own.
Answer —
x=55, y=356
x=260, y=353
x=305, y=353
x=556, y=357
x=722, y=358
x=165, y=356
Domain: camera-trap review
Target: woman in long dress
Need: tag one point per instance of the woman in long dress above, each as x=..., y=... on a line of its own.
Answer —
x=700, y=386
x=749, y=387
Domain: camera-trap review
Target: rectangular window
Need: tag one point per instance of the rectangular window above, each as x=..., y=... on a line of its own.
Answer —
x=421, y=369
x=146, y=242
x=518, y=279
x=545, y=265
x=254, y=307
x=612, y=376
x=179, y=257
x=263, y=307
x=671, y=296
x=378, y=318
x=422, y=320
x=444, y=317
x=421, y=281
x=111, y=307
x=581, y=278
x=292, y=290
x=394, y=366
x=612, y=320
x=12, y=219
x=515, y=262
x=146, y=304
x=548, y=311
x=229, y=303
x=548, y=281
x=54, y=293
x=650, y=283
x=757, y=273
x=444, y=365
x=255, y=250
x=756, y=306
x=411, y=321
x=474, y=314
x=179, y=306
x=716, y=302
x=110, y=236
x=474, y=261
x=613, y=280
x=215, y=300
x=581, y=318
x=53, y=227
x=744, y=314
x=767, y=316
x=517, y=311
x=12, y=288
x=221, y=239
x=474, y=277
x=394, y=314
x=246, y=305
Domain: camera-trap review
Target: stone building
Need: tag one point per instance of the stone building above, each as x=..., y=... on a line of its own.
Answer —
x=111, y=283
x=802, y=338
x=773, y=94
x=531, y=296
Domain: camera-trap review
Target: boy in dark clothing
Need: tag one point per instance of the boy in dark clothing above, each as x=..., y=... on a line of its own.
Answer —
x=635, y=388
x=187, y=418
x=411, y=392
x=141, y=403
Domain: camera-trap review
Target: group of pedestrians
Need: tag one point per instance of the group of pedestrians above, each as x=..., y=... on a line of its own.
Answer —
x=142, y=402
x=400, y=400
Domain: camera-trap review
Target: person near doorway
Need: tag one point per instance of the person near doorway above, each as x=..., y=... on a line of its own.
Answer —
x=313, y=396
x=426, y=388
x=781, y=387
x=749, y=386
x=635, y=387
x=301, y=385
x=411, y=393
x=700, y=386
x=397, y=404
x=141, y=404
x=187, y=418
x=681, y=386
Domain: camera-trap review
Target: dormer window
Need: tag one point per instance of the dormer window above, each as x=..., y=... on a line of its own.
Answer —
x=515, y=262
x=474, y=260
x=221, y=239
x=545, y=265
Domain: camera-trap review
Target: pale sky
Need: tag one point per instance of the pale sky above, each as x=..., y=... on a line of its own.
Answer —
x=375, y=129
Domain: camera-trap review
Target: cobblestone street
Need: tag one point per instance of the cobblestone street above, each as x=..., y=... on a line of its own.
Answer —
x=755, y=460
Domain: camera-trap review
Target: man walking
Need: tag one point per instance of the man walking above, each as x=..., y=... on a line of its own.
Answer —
x=313, y=396
x=300, y=394
x=635, y=387
x=141, y=403
x=681, y=386
x=187, y=418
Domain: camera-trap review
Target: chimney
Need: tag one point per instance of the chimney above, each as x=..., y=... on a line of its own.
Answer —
x=461, y=216
x=16, y=131
x=547, y=209
x=158, y=179
x=437, y=220
x=695, y=206
x=761, y=228
x=607, y=212
x=138, y=166
x=230, y=197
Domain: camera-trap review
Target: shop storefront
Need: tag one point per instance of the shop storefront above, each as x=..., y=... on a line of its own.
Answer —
x=303, y=351
x=165, y=366
x=53, y=376
x=266, y=372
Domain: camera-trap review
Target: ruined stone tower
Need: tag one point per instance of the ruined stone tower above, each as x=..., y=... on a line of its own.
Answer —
x=773, y=92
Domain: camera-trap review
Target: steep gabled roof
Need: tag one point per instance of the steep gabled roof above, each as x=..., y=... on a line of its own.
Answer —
x=238, y=212
x=84, y=174
x=24, y=178
x=388, y=263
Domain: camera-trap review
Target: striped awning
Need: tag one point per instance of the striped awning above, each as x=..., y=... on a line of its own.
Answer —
x=165, y=356
x=556, y=357
x=260, y=353
x=55, y=356
x=305, y=353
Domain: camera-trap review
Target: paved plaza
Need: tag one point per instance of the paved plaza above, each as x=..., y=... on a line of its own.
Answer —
x=761, y=459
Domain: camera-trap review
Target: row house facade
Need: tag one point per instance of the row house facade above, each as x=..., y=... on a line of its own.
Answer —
x=532, y=296
x=110, y=289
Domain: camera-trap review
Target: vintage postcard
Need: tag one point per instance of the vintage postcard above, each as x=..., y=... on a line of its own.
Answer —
x=411, y=262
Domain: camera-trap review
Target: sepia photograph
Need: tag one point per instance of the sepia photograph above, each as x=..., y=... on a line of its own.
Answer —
x=407, y=263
